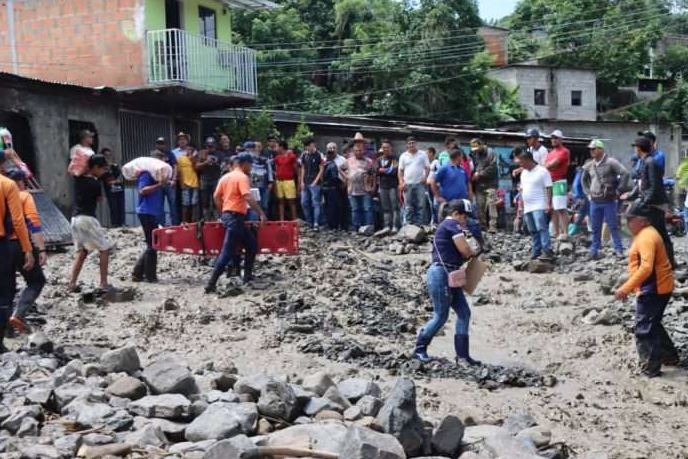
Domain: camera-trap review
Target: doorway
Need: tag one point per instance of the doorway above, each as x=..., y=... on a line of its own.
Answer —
x=173, y=18
x=22, y=140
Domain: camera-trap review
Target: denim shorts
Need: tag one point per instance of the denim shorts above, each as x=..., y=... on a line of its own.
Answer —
x=189, y=197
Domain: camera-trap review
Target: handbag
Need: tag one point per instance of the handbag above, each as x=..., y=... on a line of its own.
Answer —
x=475, y=268
x=455, y=278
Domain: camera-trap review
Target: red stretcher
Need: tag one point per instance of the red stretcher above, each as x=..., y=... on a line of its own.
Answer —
x=205, y=239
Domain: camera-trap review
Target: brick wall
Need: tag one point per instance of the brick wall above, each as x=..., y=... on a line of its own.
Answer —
x=87, y=42
x=496, y=44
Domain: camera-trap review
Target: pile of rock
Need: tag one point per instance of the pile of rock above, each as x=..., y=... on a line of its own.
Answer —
x=113, y=407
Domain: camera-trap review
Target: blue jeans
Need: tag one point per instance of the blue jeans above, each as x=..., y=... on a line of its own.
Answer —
x=599, y=213
x=169, y=193
x=443, y=298
x=539, y=231
x=415, y=203
x=361, y=211
x=236, y=235
x=311, y=203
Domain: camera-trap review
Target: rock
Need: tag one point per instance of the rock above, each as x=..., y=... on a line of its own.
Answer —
x=70, y=391
x=333, y=394
x=169, y=406
x=66, y=374
x=278, y=401
x=382, y=233
x=124, y=359
x=327, y=415
x=95, y=439
x=264, y=427
x=40, y=396
x=446, y=440
x=168, y=377
x=516, y=422
x=234, y=448
x=317, y=383
x=223, y=420
x=472, y=455
x=174, y=431
x=98, y=452
x=28, y=428
x=322, y=437
x=14, y=422
x=504, y=445
x=362, y=443
x=540, y=267
x=370, y=423
x=565, y=248
x=354, y=389
x=369, y=405
x=40, y=452
x=593, y=455
x=93, y=369
x=252, y=385
x=352, y=414
x=88, y=413
x=148, y=435
x=119, y=421
x=127, y=387
x=366, y=230
x=9, y=371
x=412, y=233
x=39, y=342
x=68, y=445
x=537, y=435
x=475, y=434
x=399, y=417
x=218, y=396
x=316, y=405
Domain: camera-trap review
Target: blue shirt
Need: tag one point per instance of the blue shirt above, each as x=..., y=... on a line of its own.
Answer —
x=443, y=248
x=660, y=159
x=452, y=181
x=151, y=204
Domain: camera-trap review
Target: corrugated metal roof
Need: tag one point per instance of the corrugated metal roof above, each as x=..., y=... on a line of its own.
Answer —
x=251, y=4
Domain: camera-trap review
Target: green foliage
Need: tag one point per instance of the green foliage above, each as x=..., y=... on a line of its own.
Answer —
x=300, y=135
x=256, y=126
x=674, y=62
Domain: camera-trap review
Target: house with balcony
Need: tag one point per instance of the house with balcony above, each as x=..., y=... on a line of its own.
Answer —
x=130, y=70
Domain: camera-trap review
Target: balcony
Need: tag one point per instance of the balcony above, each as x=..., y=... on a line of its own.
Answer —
x=175, y=57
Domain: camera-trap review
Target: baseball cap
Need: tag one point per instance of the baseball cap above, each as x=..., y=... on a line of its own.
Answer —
x=596, y=143
x=244, y=158
x=331, y=146
x=160, y=140
x=249, y=145
x=643, y=143
x=648, y=135
x=532, y=133
x=557, y=133
x=183, y=134
x=210, y=140
x=462, y=206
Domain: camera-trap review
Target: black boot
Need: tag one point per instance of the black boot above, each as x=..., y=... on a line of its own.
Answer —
x=211, y=286
x=139, y=268
x=249, y=260
x=421, y=350
x=649, y=364
x=462, y=347
x=3, y=329
x=151, y=266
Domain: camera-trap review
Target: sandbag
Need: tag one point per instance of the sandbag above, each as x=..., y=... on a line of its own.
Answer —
x=78, y=160
x=160, y=170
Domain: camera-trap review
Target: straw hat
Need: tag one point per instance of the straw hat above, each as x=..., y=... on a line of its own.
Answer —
x=359, y=137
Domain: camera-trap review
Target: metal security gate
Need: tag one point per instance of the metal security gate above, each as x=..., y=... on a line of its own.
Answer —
x=138, y=132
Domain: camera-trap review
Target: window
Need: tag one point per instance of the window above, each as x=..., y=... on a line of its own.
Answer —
x=540, y=97
x=206, y=22
x=576, y=98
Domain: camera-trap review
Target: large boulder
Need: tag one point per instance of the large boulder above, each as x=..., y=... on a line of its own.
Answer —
x=446, y=440
x=168, y=377
x=363, y=443
x=399, y=417
x=127, y=387
x=412, y=233
x=504, y=445
x=168, y=406
x=369, y=405
x=326, y=437
x=14, y=422
x=317, y=383
x=518, y=421
x=353, y=389
x=88, y=413
x=252, y=385
x=124, y=359
x=70, y=391
x=223, y=420
x=278, y=401
x=233, y=448
x=148, y=435
x=316, y=405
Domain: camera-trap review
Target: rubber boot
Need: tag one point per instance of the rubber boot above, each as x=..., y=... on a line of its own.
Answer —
x=421, y=350
x=249, y=260
x=151, y=266
x=139, y=268
x=211, y=286
x=649, y=366
x=3, y=329
x=462, y=348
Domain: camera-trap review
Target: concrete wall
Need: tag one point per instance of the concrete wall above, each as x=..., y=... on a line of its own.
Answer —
x=558, y=84
x=618, y=137
x=87, y=42
x=48, y=114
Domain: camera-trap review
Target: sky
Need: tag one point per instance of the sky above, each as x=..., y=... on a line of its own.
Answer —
x=496, y=9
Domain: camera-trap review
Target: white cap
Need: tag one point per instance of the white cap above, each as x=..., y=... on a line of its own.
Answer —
x=557, y=133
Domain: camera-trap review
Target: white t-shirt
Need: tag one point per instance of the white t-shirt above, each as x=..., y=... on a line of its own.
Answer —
x=434, y=167
x=413, y=166
x=533, y=184
x=540, y=154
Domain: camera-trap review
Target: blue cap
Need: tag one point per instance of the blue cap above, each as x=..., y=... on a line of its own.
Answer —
x=16, y=174
x=244, y=158
x=249, y=145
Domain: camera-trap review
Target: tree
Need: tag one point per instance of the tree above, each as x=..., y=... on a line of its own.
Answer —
x=302, y=133
x=674, y=62
x=256, y=126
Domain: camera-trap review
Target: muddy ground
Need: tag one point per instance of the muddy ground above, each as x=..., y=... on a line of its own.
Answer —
x=558, y=347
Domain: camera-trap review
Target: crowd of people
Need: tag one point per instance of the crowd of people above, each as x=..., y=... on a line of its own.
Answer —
x=360, y=190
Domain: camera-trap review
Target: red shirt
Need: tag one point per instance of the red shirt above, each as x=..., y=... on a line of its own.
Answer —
x=562, y=154
x=285, y=166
